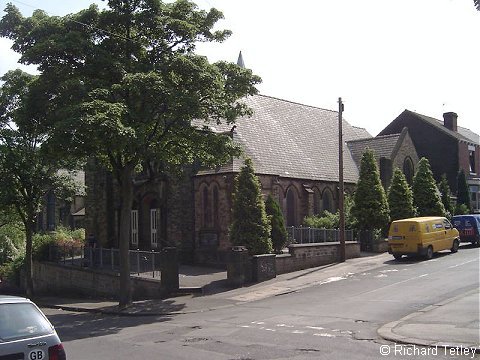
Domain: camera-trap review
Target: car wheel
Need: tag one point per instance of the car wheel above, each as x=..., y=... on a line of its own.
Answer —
x=455, y=246
x=429, y=253
x=397, y=256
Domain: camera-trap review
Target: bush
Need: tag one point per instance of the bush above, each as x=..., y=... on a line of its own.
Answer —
x=11, y=271
x=327, y=221
x=61, y=238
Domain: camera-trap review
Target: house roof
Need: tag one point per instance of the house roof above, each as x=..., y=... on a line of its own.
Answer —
x=293, y=140
x=383, y=146
x=462, y=134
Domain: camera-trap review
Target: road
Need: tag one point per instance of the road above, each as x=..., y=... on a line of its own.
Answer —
x=337, y=319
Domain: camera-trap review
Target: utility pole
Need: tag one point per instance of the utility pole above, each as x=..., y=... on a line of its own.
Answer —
x=340, y=180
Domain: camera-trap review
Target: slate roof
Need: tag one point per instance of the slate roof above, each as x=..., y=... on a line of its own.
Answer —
x=292, y=140
x=383, y=146
x=462, y=134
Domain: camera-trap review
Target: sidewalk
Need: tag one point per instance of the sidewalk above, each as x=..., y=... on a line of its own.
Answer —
x=452, y=323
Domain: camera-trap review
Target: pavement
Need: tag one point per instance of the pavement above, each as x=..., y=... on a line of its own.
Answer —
x=446, y=324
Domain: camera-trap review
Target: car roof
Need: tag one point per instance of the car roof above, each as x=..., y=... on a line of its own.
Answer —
x=420, y=219
x=466, y=216
x=7, y=299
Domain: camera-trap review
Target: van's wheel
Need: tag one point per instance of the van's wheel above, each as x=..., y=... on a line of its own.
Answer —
x=397, y=256
x=455, y=246
x=429, y=253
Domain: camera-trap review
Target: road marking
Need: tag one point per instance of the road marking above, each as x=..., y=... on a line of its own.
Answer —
x=464, y=263
x=397, y=283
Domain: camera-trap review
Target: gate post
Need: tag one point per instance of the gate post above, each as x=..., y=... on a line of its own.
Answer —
x=169, y=269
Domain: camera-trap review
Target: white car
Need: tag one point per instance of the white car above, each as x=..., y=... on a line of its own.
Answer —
x=25, y=332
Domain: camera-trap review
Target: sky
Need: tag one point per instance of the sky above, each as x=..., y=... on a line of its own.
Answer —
x=380, y=56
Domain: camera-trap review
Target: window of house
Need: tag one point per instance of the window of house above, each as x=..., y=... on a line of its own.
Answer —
x=317, y=209
x=206, y=207
x=327, y=201
x=215, y=207
x=51, y=211
x=134, y=227
x=471, y=151
x=408, y=169
x=154, y=224
x=291, y=207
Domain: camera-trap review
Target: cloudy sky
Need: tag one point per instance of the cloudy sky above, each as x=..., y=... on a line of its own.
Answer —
x=380, y=56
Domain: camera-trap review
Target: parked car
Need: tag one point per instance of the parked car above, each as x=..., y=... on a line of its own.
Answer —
x=468, y=226
x=422, y=236
x=26, y=333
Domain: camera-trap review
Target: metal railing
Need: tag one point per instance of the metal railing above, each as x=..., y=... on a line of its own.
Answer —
x=141, y=262
x=308, y=235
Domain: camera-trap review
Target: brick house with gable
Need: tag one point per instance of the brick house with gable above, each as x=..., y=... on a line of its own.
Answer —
x=448, y=147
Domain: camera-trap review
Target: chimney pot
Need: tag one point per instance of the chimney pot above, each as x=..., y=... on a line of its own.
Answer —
x=450, y=121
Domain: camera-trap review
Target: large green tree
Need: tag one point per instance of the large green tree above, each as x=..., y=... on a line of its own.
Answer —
x=28, y=170
x=250, y=225
x=277, y=223
x=125, y=86
x=370, y=202
x=400, y=198
x=426, y=196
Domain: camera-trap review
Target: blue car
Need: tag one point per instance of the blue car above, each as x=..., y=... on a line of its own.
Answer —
x=469, y=228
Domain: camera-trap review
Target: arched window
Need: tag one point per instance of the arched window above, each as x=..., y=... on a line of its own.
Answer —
x=317, y=208
x=327, y=201
x=155, y=224
x=215, y=206
x=205, y=207
x=291, y=207
x=408, y=169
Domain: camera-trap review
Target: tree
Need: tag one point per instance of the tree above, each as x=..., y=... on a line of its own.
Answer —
x=426, y=196
x=27, y=169
x=125, y=85
x=277, y=223
x=463, y=196
x=477, y=4
x=250, y=225
x=370, y=202
x=400, y=198
x=446, y=195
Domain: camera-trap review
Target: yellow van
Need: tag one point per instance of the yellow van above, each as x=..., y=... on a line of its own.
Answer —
x=422, y=236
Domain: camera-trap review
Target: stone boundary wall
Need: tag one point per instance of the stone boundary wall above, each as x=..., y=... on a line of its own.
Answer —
x=304, y=256
x=50, y=278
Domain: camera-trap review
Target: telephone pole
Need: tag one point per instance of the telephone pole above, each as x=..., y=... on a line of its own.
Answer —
x=340, y=180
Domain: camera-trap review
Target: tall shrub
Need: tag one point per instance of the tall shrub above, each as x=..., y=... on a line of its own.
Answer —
x=426, y=196
x=446, y=195
x=463, y=196
x=277, y=223
x=250, y=225
x=400, y=198
x=370, y=202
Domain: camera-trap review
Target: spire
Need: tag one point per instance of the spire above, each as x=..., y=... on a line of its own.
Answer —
x=240, y=60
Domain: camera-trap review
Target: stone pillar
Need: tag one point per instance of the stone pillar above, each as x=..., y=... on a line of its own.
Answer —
x=169, y=266
x=264, y=267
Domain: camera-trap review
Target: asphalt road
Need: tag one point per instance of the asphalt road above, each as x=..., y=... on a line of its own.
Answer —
x=334, y=320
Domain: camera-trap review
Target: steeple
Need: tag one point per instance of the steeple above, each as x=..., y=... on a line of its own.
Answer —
x=240, y=60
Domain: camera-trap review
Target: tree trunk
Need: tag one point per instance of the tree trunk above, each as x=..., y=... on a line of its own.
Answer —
x=29, y=259
x=126, y=193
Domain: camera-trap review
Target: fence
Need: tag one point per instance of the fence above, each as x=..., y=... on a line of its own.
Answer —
x=308, y=235
x=141, y=262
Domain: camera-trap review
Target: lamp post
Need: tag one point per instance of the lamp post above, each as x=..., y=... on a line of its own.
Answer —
x=340, y=180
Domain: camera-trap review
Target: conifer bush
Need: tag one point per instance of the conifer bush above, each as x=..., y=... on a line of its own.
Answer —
x=250, y=225
x=400, y=198
x=277, y=223
x=445, y=194
x=426, y=196
x=463, y=196
x=370, y=207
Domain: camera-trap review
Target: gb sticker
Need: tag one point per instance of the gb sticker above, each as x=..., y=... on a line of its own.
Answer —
x=36, y=355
